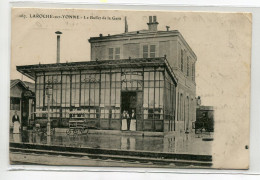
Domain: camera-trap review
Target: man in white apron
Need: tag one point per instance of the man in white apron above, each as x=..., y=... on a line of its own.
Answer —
x=133, y=121
x=16, y=122
x=124, y=121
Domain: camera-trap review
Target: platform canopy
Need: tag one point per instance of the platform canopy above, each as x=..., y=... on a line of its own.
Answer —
x=31, y=70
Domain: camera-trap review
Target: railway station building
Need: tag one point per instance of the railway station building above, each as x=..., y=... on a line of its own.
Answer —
x=150, y=71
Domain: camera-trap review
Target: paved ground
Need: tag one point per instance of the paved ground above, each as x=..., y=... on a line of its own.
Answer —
x=186, y=143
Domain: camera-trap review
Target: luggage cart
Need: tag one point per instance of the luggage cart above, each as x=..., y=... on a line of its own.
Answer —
x=77, y=125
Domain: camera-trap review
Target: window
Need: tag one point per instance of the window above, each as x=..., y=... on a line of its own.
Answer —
x=188, y=66
x=182, y=60
x=15, y=104
x=117, y=53
x=145, y=51
x=113, y=53
x=149, y=51
x=193, y=71
x=110, y=53
x=153, y=95
x=152, y=51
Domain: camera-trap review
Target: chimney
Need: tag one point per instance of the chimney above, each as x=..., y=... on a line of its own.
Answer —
x=58, y=45
x=152, y=25
x=126, y=25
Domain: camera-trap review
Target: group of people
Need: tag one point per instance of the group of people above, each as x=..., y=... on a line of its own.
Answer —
x=128, y=121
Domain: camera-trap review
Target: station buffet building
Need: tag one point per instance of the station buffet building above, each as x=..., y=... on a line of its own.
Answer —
x=150, y=71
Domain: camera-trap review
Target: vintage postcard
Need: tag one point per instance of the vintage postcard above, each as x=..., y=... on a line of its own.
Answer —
x=130, y=88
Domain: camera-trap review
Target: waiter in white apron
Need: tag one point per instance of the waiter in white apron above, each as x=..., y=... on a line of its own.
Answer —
x=124, y=121
x=133, y=121
x=16, y=121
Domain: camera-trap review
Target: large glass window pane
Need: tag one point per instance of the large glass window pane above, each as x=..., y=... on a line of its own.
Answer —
x=54, y=95
x=151, y=83
x=107, y=97
x=103, y=77
x=107, y=77
x=77, y=97
x=157, y=83
x=151, y=76
x=37, y=98
x=41, y=93
x=118, y=97
x=157, y=97
x=113, y=77
x=146, y=76
x=102, y=97
x=151, y=97
x=128, y=84
x=113, y=98
x=92, y=97
x=161, y=76
x=113, y=84
x=118, y=76
x=157, y=75
x=124, y=85
x=58, y=94
x=146, y=97
x=161, y=97
x=96, y=97
x=86, y=97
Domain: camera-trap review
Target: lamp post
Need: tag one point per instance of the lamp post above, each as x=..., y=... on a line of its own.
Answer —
x=48, y=93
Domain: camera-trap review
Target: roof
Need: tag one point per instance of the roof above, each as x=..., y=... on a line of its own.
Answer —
x=25, y=84
x=142, y=34
x=30, y=85
x=30, y=70
x=206, y=108
x=134, y=33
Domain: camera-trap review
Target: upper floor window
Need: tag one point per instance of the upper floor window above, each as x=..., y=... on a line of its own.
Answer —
x=117, y=53
x=193, y=71
x=114, y=53
x=182, y=60
x=149, y=51
x=188, y=66
x=145, y=51
x=152, y=51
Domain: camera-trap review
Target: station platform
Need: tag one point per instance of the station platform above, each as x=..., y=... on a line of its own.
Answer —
x=184, y=149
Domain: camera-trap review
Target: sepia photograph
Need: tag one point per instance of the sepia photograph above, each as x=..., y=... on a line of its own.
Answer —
x=121, y=88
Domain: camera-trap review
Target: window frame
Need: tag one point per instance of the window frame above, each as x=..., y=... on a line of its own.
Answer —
x=115, y=55
x=149, y=44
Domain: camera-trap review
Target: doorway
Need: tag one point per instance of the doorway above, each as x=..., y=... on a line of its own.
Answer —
x=128, y=101
x=129, y=104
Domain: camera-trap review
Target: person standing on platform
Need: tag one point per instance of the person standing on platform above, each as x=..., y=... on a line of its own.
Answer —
x=16, y=122
x=124, y=121
x=128, y=120
x=133, y=121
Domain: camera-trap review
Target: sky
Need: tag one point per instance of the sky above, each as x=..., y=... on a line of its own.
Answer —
x=221, y=41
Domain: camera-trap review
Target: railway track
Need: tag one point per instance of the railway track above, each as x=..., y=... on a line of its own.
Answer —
x=107, y=155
